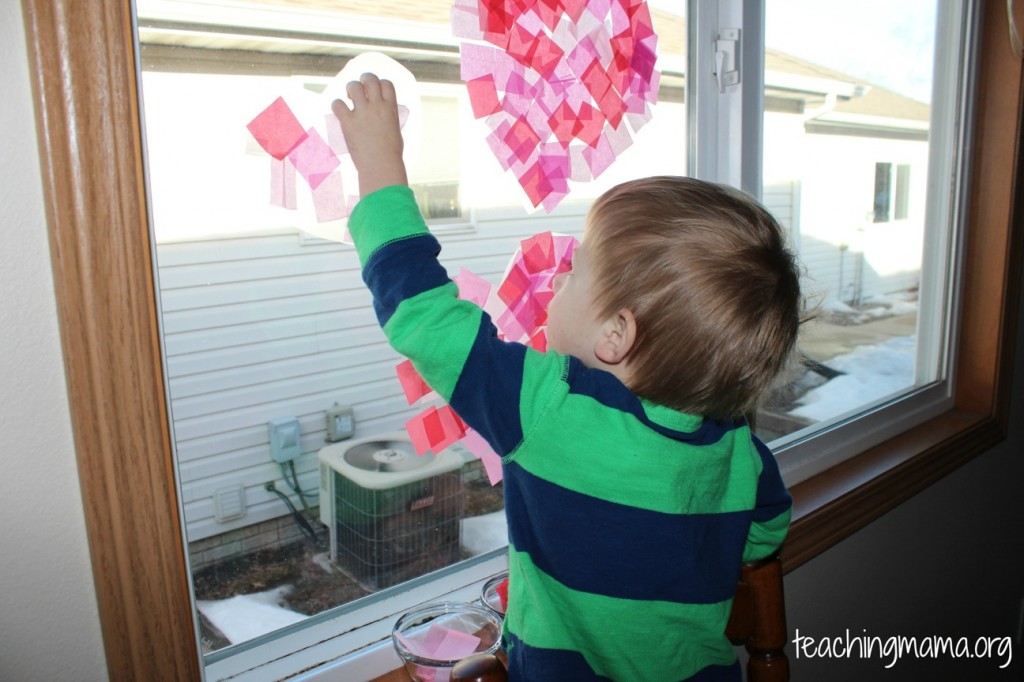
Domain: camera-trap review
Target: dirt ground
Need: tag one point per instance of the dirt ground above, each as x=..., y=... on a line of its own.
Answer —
x=829, y=337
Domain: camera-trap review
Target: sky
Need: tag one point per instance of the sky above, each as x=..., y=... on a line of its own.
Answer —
x=886, y=42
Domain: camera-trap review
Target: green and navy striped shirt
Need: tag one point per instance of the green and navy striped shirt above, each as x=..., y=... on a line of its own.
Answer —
x=628, y=521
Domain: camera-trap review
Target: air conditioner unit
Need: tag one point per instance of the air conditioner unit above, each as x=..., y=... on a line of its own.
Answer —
x=392, y=514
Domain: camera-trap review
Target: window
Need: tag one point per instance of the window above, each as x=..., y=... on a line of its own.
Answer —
x=435, y=178
x=892, y=201
x=83, y=163
x=261, y=321
x=876, y=249
x=883, y=192
x=240, y=316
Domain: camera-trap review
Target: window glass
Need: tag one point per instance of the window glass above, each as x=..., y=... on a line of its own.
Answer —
x=847, y=135
x=265, y=321
x=269, y=334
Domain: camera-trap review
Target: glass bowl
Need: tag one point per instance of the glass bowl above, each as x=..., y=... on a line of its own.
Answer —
x=431, y=639
x=489, y=593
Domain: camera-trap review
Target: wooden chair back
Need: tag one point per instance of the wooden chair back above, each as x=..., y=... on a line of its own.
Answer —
x=757, y=622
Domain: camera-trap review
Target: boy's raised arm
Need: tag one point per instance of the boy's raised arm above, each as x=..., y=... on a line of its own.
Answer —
x=372, y=133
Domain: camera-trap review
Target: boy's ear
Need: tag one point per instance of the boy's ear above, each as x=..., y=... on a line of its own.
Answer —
x=618, y=333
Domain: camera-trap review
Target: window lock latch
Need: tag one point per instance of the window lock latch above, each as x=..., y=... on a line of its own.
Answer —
x=727, y=70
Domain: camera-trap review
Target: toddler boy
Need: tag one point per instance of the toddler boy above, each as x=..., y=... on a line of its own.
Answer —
x=634, y=488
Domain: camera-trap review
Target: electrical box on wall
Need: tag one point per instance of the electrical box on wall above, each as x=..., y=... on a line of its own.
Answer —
x=341, y=423
x=285, y=441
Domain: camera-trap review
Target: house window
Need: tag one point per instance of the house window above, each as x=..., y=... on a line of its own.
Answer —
x=891, y=199
x=435, y=176
x=350, y=362
x=883, y=192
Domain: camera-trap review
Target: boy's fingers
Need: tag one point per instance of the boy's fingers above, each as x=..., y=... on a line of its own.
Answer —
x=340, y=108
x=371, y=85
x=356, y=92
x=387, y=91
x=370, y=88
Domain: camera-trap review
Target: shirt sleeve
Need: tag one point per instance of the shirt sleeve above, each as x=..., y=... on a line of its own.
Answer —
x=774, y=507
x=451, y=342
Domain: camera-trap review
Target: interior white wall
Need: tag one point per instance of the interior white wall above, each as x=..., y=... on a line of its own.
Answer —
x=947, y=562
x=49, y=627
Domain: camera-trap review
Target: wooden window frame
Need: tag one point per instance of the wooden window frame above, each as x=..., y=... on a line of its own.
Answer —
x=84, y=78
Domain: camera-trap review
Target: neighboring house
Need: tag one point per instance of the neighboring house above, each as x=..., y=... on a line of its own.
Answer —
x=845, y=162
x=854, y=158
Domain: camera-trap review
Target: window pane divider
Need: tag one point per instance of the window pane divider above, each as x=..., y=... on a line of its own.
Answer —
x=729, y=148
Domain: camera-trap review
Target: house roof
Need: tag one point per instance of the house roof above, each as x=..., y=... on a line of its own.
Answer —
x=870, y=99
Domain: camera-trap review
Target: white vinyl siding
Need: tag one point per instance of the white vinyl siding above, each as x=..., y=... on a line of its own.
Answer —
x=313, y=340
x=846, y=256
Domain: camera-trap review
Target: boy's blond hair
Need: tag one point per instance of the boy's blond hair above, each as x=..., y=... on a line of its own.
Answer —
x=715, y=292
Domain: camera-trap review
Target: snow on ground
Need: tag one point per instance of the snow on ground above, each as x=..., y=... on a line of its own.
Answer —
x=873, y=307
x=483, y=533
x=891, y=304
x=870, y=373
x=246, y=616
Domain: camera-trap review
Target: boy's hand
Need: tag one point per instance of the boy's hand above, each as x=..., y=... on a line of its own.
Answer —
x=372, y=133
